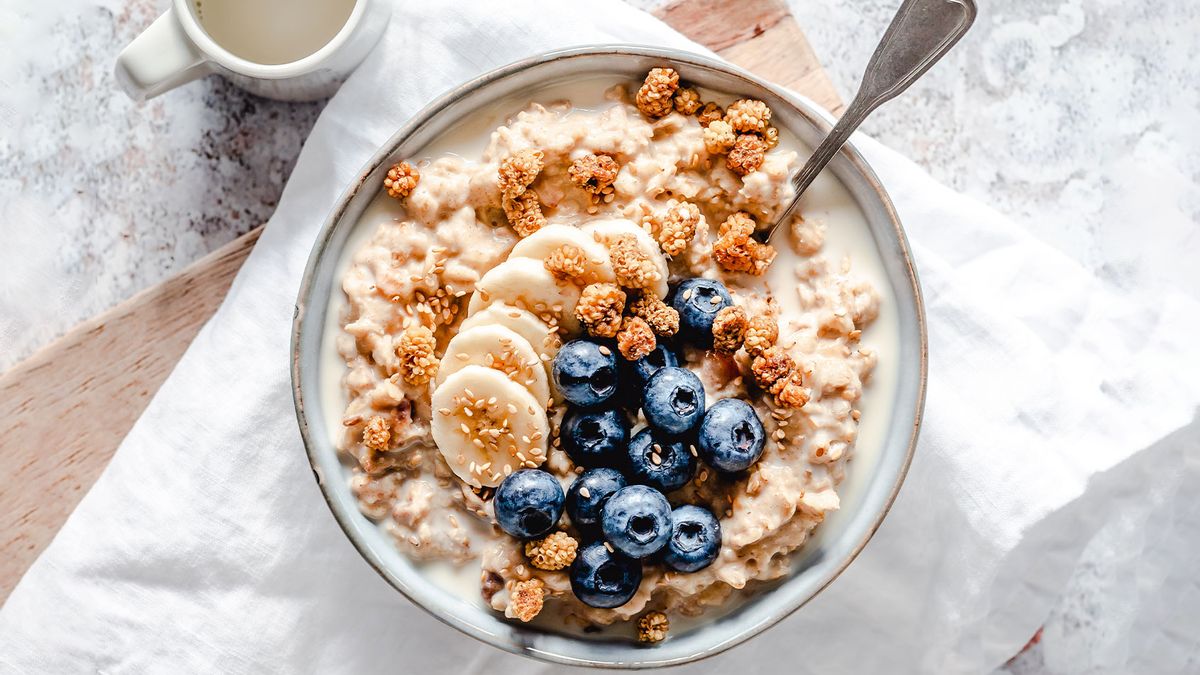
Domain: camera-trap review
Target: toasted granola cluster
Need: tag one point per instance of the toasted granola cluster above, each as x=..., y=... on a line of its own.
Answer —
x=635, y=339
x=653, y=627
x=521, y=203
x=555, y=552
x=566, y=262
x=736, y=249
x=599, y=309
x=772, y=368
x=401, y=180
x=525, y=599
x=519, y=170
x=719, y=137
x=761, y=334
x=662, y=318
x=748, y=116
x=793, y=393
x=633, y=267
x=711, y=112
x=656, y=96
x=677, y=226
x=377, y=434
x=778, y=375
x=748, y=153
x=729, y=329
x=742, y=133
x=525, y=213
x=418, y=363
x=687, y=100
x=594, y=173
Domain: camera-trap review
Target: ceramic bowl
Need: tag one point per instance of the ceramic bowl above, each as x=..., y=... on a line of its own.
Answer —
x=816, y=564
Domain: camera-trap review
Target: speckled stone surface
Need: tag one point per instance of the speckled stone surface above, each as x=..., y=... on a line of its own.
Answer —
x=101, y=197
x=1077, y=119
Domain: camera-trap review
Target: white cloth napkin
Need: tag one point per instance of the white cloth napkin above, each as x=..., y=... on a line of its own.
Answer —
x=206, y=546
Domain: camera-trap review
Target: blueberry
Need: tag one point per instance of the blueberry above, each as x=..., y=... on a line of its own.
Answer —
x=641, y=370
x=636, y=521
x=695, y=539
x=674, y=400
x=731, y=436
x=698, y=301
x=585, y=373
x=602, y=578
x=588, y=493
x=595, y=437
x=528, y=503
x=662, y=462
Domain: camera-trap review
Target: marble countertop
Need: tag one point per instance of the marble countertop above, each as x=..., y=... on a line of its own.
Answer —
x=1078, y=119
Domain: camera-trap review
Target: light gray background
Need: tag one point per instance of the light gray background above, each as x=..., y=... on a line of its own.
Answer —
x=1077, y=119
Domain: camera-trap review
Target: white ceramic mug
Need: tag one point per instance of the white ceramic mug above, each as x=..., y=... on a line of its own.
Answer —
x=177, y=49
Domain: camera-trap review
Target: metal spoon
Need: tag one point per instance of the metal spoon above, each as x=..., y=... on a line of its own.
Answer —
x=920, y=34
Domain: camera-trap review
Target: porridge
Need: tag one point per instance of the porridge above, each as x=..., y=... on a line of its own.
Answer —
x=572, y=370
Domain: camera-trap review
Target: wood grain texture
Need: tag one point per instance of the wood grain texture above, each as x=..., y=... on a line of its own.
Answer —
x=64, y=411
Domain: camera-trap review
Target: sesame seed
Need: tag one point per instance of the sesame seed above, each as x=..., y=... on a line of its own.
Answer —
x=585, y=493
x=465, y=429
x=462, y=356
x=716, y=299
x=609, y=547
x=692, y=449
x=655, y=458
x=605, y=350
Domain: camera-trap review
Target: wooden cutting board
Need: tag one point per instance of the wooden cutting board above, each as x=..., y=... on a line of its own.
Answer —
x=65, y=409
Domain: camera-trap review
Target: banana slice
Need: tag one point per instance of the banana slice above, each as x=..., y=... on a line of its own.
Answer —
x=544, y=339
x=525, y=283
x=487, y=426
x=606, y=230
x=499, y=348
x=542, y=243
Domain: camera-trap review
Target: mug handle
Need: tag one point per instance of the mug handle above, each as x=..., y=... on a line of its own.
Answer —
x=161, y=58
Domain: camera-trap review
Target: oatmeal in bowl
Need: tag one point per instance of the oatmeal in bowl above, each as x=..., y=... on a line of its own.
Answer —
x=574, y=394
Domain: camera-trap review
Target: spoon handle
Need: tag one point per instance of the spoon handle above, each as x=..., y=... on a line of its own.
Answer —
x=920, y=34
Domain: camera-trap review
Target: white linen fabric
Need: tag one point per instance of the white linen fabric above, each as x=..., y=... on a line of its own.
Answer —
x=206, y=545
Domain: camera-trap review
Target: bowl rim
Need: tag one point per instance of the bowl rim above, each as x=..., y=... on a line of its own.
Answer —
x=807, y=109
